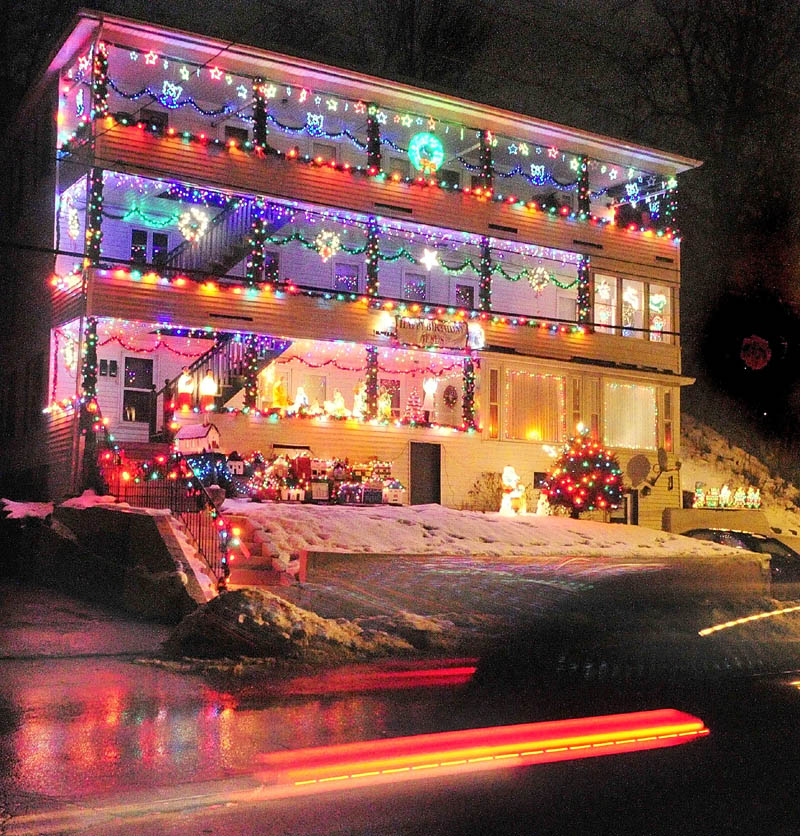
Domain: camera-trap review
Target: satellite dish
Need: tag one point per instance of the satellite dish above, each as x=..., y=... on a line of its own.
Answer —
x=638, y=468
x=663, y=462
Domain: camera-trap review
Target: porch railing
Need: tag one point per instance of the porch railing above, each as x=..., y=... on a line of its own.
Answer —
x=182, y=494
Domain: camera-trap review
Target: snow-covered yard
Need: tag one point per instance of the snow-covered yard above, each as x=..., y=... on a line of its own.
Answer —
x=432, y=529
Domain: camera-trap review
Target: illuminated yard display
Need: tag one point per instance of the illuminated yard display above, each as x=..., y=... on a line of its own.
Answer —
x=318, y=259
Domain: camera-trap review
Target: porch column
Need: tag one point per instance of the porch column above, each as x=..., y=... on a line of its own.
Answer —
x=486, y=172
x=584, y=302
x=94, y=217
x=373, y=261
x=468, y=395
x=250, y=373
x=485, y=272
x=254, y=268
x=372, y=381
x=88, y=408
x=99, y=81
x=373, y=140
x=584, y=202
x=259, y=114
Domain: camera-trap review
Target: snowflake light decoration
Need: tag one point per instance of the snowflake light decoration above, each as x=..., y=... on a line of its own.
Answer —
x=193, y=224
x=328, y=244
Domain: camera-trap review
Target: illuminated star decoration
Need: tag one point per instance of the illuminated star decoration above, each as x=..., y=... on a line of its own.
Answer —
x=317, y=100
x=431, y=123
x=303, y=95
x=216, y=73
x=612, y=175
x=406, y=121
x=430, y=259
x=513, y=148
x=381, y=117
x=134, y=55
x=150, y=58
x=332, y=104
x=359, y=107
x=552, y=152
x=241, y=91
x=573, y=163
x=184, y=71
x=270, y=91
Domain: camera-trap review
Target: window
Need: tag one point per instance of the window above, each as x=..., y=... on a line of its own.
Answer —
x=494, y=403
x=629, y=416
x=465, y=296
x=271, y=266
x=605, y=303
x=137, y=394
x=345, y=277
x=160, y=248
x=452, y=178
x=668, y=442
x=414, y=287
x=396, y=165
x=323, y=149
x=632, y=309
x=154, y=119
x=316, y=388
x=567, y=307
x=393, y=388
x=660, y=312
x=239, y=135
x=139, y=246
x=536, y=406
x=156, y=244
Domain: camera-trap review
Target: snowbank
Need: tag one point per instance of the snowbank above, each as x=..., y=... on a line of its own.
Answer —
x=88, y=499
x=432, y=529
x=20, y=510
x=254, y=622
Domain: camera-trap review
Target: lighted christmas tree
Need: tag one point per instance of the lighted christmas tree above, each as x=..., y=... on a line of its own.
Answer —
x=585, y=477
x=414, y=407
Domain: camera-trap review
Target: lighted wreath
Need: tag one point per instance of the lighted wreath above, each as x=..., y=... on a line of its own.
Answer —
x=450, y=396
x=426, y=152
x=327, y=244
x=538, y=279
x=193, y=224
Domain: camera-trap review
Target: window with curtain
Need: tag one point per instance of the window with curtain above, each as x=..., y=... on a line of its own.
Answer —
x=629, y=416
x=536, y=406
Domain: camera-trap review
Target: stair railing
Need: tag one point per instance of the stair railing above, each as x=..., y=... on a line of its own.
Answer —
x=225, y=231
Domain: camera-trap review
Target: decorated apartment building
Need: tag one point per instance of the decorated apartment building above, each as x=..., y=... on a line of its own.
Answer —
x=333, y=263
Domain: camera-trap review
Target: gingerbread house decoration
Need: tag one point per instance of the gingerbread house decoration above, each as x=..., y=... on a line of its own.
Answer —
x=197, y=438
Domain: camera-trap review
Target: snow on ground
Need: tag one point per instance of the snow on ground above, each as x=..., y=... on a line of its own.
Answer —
x=708, y=457
x=432, y=529
x=88, y=499
x=20, y=510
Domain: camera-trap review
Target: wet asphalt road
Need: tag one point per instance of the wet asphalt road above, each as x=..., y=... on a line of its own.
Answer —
x=93, y=741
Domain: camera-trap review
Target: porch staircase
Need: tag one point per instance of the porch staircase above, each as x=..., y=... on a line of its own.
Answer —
x=226, y=361
x=226, y=241
x=254, y=562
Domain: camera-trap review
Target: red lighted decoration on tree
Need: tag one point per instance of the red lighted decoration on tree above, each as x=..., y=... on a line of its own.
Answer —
x=585, y=477
x=755, y=352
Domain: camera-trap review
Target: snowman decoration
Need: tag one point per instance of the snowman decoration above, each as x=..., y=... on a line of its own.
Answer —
x=513, y=501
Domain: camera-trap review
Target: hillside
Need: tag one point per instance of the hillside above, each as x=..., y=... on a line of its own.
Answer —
x=709, y=457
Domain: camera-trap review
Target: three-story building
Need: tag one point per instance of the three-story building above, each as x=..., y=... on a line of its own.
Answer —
x=334, y=262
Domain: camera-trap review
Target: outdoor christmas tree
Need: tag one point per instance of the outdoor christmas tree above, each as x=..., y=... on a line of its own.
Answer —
x=586, y=476
x=414, y=407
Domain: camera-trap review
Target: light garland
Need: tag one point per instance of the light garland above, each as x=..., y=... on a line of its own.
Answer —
x=193, y=224
x=484, y=192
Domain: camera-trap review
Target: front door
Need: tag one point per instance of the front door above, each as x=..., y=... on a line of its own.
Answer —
x=426, y=473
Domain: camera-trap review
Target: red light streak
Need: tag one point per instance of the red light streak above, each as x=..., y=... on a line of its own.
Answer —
x=479, y=749
x=380, y=680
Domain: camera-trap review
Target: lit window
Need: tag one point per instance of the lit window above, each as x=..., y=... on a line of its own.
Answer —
x=345, y=278
x=660, y=313
x=414, y=287
x=605, y=303
x=536, y=406
x=632, y=309
x=629, y=416
x=465, y=296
